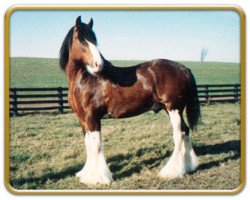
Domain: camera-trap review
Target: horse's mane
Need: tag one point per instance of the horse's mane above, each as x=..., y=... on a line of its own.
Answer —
x=123, y=76
x=64, y=51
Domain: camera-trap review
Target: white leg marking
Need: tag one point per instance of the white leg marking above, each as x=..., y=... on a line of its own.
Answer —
x=191, y=161
x=97, y=64
x=183, y=159
x=95, y=169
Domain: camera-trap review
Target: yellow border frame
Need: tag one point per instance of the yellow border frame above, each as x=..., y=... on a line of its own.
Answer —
x=126, y=7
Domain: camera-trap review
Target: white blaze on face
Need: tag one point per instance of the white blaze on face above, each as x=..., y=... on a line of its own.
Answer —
x=97, y=64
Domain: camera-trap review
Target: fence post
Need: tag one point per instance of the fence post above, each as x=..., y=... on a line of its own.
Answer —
x=60, y=98
x=236, y=93
x=15, y=109
x=206, y=94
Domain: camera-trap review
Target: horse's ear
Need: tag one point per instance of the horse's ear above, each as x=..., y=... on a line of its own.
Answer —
x=77, y=26
x=78, y=22
x=90, y=24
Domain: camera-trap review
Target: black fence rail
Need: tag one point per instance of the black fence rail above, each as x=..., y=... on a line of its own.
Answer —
x=219, y=93
x=23, y=100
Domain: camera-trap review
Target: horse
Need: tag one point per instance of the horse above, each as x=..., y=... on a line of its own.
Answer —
x=97, y=90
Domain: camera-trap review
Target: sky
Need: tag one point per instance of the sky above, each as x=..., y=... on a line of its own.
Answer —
x=132, y=35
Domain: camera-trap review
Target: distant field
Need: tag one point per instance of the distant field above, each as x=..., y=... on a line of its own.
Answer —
x=44, y=72
x=42, y=157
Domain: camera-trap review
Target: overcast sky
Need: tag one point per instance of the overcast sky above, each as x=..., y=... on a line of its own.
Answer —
x=133, y=35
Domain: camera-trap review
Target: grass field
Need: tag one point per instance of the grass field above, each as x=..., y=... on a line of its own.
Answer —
x=43, y=72
x=46, y=150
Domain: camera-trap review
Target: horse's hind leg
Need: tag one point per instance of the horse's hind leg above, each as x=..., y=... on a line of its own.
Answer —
x=191, y=161
x=183, y=159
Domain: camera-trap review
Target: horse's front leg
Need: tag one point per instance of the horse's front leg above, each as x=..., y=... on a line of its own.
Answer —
x=95, y=169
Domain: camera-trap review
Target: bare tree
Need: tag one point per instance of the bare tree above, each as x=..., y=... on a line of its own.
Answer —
x=203, y=54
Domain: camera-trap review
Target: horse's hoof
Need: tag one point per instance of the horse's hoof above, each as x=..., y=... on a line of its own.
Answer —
x=90, y=178
x=95, y=180
x=175, y=167
x=98, y=180
x=170, y=174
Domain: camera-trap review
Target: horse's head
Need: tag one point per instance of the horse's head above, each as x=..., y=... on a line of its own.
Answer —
x=84, y=47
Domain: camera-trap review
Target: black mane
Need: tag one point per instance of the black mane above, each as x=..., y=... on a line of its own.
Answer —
x=122, y=76
x=64, y=51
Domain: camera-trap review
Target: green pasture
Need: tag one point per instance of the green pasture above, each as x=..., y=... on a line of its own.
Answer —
x=46, y=150
x=44, y=72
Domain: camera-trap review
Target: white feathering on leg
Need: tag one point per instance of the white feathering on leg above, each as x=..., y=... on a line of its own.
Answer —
x=95, y=169
x=183, y=159
x=191, y=161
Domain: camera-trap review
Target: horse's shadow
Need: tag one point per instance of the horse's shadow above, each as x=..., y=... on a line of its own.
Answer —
x=123, y=165
x=117, y=164
x=226, y=147
x=40, y=180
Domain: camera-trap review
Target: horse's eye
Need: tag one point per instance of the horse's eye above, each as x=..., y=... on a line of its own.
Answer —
x=83, y=48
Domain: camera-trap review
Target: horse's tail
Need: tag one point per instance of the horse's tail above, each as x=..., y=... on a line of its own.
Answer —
x=193, y=105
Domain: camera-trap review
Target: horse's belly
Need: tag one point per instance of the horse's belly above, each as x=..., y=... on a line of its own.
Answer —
x=123, y=112
x=127, y=107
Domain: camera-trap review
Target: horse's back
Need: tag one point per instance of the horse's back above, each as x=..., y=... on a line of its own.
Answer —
x=168, y=68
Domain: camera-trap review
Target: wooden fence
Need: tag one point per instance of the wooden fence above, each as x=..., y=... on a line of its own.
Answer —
x=24, y=100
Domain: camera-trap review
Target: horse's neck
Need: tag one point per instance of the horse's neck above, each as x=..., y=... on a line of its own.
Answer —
x=116, y=75
x=73, y=70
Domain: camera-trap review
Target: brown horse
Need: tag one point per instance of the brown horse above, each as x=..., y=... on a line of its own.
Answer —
x=97, y=90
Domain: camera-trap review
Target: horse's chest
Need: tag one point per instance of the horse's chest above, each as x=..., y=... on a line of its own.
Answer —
x=84, y=99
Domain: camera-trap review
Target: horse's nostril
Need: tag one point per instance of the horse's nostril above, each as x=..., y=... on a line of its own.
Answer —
x=96, y=64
